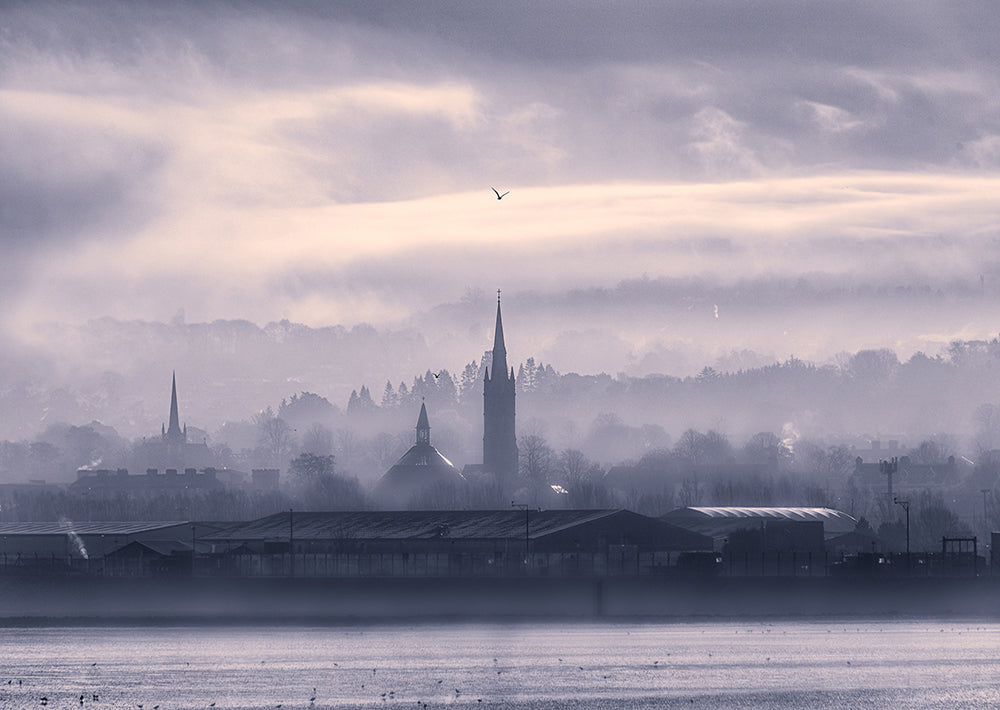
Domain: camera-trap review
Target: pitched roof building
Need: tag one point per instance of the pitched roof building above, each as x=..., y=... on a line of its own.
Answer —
x=416, y=476
x=459, y=530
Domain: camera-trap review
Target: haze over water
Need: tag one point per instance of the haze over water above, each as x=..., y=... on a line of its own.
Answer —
x=780, y=664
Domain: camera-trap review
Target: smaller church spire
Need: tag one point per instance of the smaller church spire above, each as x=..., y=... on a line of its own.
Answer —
x=175, y=423
x=423, y=426
x=174, y=426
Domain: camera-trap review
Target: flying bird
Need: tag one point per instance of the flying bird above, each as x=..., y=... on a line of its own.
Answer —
x=499, y=196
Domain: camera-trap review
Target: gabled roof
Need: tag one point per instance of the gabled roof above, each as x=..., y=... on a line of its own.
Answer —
x=415, y=525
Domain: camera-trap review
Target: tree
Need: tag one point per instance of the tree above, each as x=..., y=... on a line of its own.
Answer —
x=690, y=447
x=386, y=449
x=360, y=403
x=717, y=449
x=766, y=448
x=574, y=467
x=934, y=520
x=274, y=437
x=318, y=486
x=305, y=409
x=307, y=469
x=535, y=463
x=708, y=374
x=932, y=451
x=470, y=389
x=318, y=440
x=872, y=368
x=389, y=398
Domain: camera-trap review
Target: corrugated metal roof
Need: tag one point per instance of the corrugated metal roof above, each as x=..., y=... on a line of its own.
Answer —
x=404, y=525
x=84, y=528
x=709, y=520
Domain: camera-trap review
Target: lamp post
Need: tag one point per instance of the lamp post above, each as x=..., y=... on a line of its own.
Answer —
x=291, y=542
x=525, y=506
x=906, y=507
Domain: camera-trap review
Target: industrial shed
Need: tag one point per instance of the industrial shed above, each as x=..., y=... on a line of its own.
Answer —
x=26, y=544
x=452, y=543
x=773, y=529
x=471, y=531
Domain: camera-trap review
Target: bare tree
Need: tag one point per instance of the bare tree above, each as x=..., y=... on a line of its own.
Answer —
x=535, y=461
x=766, y=448
x=318, y=441
x=573, y=466
x=274, y=436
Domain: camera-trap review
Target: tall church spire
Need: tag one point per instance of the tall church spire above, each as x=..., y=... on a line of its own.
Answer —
x=499, y=349
x=174, y=427
x=499, y=439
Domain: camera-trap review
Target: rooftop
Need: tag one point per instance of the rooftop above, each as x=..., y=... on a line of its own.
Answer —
x=410, y=525
x=708, y=520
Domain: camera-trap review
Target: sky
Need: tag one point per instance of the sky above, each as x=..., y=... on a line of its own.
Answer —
x=332, y=164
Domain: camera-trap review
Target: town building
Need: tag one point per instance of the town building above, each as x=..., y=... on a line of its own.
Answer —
x=500, y=457
x=421, y=475
x=171, y=463
x=783, y=529
x=453, y=543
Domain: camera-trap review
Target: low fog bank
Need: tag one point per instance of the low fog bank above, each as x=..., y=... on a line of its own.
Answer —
x=117, y=372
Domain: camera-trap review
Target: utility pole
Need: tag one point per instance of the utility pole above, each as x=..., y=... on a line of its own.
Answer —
x=906, y=507
x=986, y=522
x=291, y=542
x=889, y=468
x=525, y=506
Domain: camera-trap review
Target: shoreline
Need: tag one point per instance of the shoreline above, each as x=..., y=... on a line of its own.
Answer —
x=270, y=601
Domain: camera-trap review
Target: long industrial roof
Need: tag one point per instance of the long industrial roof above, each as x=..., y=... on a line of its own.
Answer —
x=714, y=520
x=407, y=525
x=84, y=527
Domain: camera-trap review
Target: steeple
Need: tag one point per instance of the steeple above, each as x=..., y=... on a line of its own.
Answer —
x=499, y=438
x=499, y=349
x=423, y=426
x=174, y=427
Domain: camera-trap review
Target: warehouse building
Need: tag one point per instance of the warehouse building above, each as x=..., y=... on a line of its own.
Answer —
x=414, y=543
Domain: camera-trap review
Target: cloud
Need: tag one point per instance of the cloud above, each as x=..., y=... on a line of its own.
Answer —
x=332, y=164
x=304, y=262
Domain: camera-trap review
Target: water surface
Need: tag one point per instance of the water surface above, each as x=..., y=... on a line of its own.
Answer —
x=781, y=664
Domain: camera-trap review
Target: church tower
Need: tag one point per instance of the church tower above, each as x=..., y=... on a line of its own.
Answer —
x=499, y=439
x=174, y=437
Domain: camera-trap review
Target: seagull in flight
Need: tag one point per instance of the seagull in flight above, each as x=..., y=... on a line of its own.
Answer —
x=499, y=196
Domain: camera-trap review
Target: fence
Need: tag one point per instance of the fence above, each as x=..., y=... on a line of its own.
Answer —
x=618, y=561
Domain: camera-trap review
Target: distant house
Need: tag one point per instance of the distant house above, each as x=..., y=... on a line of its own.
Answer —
x=905, y=473
x=153, y=481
